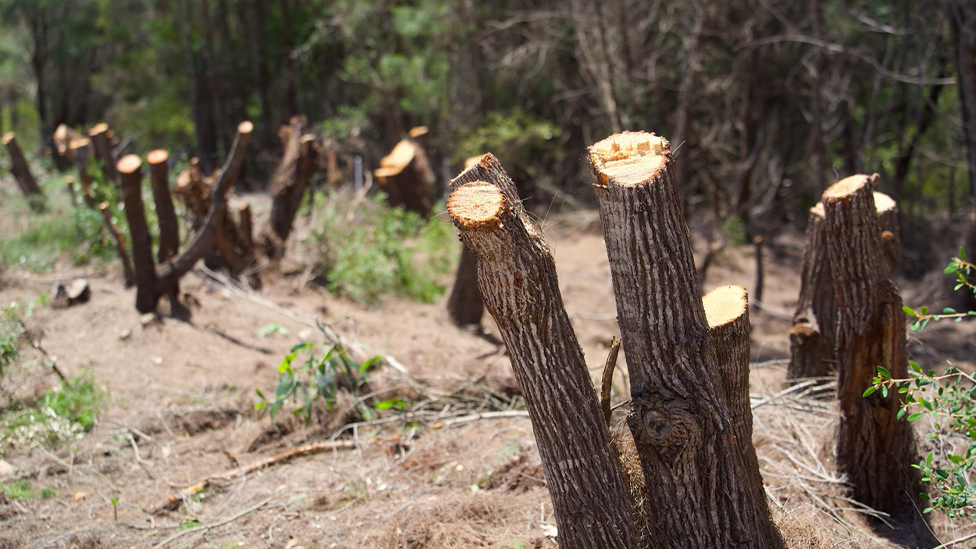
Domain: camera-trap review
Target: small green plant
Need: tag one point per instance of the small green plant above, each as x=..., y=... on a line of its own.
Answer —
x=310, y=372
x=188, y=524
x=376, y=250
x=21, y=489
x=275, y=328
x=115, y=507
x=949, y=399
x=59, y=415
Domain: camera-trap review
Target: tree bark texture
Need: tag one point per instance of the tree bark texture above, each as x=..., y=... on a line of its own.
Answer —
x=169, y=227
x=101, y=139
x=130, y=170
x=874, y=449
x=22, y=174
x=127, y=273
x=521, y=291
x=297, y=168
x=727, y=312
x=407, y=178
x=465, y=306
x=812, y=337
x=697, y=485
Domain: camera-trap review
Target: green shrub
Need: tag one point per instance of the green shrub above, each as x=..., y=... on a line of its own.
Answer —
x=375, y=250
x=59, y=415
x=949, y=398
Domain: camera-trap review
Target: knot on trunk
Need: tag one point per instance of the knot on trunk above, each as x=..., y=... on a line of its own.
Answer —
x=662, y=421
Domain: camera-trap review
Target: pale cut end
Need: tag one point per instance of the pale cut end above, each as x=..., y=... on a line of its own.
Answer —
x=243, y=206
x=884, y=203
x=129, y=163
x=307, y=138
x=158, y=156
x=103, y=206
x=401, y=155
x=473, y=161
x=79, y=143
x=628, y=158
x=418, y=131
x=476, y=205
x=245, y=127
x=8, y=137
x=724, y=305
x=849, y=185
x=97, y=129
x=69, y=180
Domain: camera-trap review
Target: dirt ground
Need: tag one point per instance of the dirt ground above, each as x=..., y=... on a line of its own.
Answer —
x=182, y=410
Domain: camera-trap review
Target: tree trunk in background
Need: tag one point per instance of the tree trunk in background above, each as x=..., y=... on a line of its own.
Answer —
x=687, y=96
x=698, y=489
x=288, y=184
x=215, y=83
x=815, y=146
x=129, y=168
x=518, y=275
x=465, y=306
x=200, y=98
x=255, y=15
x=813, y=336
x=874, y=449
x=21, y=172
x=962, y=21
x=291, y=90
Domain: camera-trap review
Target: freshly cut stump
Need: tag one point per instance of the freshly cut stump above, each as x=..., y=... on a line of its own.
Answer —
x=812, y=337
x=698, y=488
x=521, y=291
x=129, y=168
x=874, y=449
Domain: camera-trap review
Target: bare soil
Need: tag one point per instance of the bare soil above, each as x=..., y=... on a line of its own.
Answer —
x=182, y=409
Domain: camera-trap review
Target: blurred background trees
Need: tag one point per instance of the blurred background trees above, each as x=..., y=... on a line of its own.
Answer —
x=766, y=102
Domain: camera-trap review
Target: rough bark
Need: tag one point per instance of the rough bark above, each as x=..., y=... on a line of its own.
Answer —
x=80, y=149
x=101, y=141
x=22, y=174
x=129, y=168
x=465, y=306
x=298, y=166
x=245, y=226
x=874, y=449
x=696, y=480
x=521, y=290
x=812, y=337
x=169, y=227
x=407, y=178
x=962, y=24
x=727, y=312
x=127, y=273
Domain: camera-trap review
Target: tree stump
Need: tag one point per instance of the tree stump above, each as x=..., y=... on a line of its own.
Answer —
x=129, y=168
x=297, y=168
x=80, y=149
x=874, y=449
x=521, y=291
x=22, y=174
x=101, y=138
x=698, y=488
x=407, y=178
x=465, y=306
x=812, y=338
x=169, y=226
x=119, y=239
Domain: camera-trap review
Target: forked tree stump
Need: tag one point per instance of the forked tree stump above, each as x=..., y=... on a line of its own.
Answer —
x=727, y=312
x=407, y=178
x=22, y=174
x=812, y=337
x=698, y=488
x=293, y=176
x=874, y=449
x=518, y=277
x=152, y=284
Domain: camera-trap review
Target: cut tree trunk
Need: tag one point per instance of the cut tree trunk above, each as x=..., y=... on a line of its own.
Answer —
x=130, y=170
x=698, y=489
x=727, y=311
x=80, y=149
x=101, y=138
x=407, y=178
x=812, y=338
x=518, y=276
x=874, y=449
x=465, y=305
x=127, y=273
x=21, y=170
x=63, y=137
x=169, y=227
x=297, y=168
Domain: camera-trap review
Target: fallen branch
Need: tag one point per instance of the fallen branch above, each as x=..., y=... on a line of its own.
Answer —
x=207, y=527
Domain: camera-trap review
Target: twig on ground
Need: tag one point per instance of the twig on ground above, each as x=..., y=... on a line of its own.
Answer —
x=207, y=527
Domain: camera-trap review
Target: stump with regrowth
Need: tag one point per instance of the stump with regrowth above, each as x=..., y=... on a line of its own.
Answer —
x=814, y=322
x=699, y=490
x=521, y=291
x=874, y=449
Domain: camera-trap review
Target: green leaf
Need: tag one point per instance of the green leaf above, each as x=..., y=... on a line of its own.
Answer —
x=901, y=413
x=883, y=372
x=913, y=418
x=909, y=311
x=869, y=391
